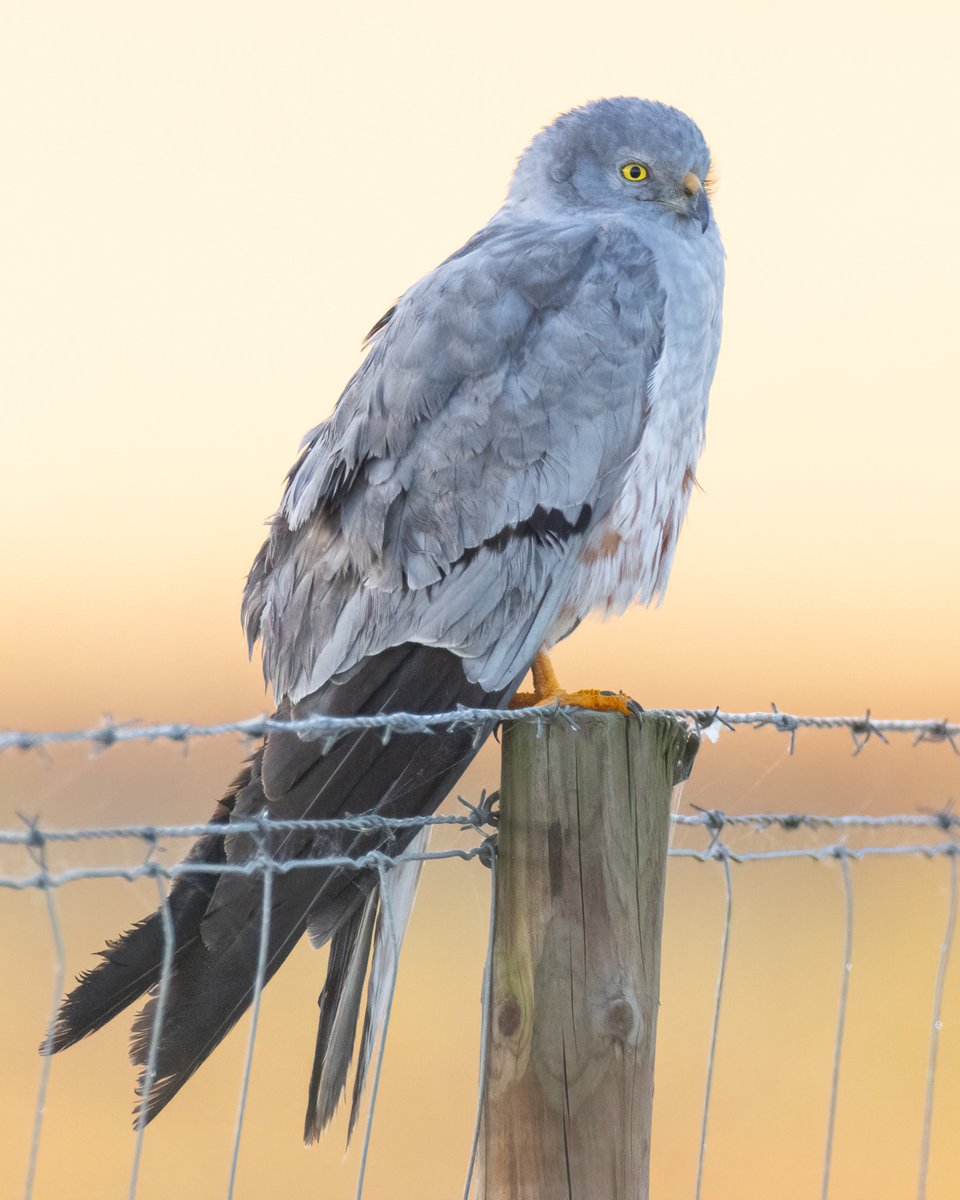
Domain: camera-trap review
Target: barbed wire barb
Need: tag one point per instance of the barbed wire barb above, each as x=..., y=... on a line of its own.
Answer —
x=939, y=731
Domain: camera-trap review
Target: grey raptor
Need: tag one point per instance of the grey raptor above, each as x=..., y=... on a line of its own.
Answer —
x=516, y=451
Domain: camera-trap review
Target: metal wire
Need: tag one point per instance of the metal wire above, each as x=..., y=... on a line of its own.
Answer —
x=375, y=859
x=942, y=964
x=486, y=1006
x=150, y=1072
x=711, y=819
x=386, y=909
x=365, y=823
x=841, y=1021
x=715, y=1027
x=709, y=720
x=259, y=979
x=38, y=852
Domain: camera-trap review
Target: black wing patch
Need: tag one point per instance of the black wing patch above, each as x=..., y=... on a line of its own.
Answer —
x=379, y=327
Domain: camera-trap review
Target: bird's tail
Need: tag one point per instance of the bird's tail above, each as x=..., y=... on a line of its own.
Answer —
x=216, y=917
x=131, y=965
x=210, y=986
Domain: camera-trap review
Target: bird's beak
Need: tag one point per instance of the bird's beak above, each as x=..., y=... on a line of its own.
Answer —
x=699, y=204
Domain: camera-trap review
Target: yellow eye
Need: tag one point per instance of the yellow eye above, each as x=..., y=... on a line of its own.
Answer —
x=633, y=172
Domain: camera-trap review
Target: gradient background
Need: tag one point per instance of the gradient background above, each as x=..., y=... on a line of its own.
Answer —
x=204, y=207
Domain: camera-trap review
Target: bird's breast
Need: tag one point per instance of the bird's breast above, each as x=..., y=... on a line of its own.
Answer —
x=626, y=557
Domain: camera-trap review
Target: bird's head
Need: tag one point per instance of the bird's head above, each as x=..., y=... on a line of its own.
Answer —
x=617, y=155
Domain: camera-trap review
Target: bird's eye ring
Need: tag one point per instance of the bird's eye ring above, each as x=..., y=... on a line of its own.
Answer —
x=633, y=172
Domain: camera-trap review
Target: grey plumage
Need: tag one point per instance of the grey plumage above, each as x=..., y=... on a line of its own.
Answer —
x=532, y=391
x=516, y=450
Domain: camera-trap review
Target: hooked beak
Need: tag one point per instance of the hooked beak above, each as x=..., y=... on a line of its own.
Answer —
x=698, y=204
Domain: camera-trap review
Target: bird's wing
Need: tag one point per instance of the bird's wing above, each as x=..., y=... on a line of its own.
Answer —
x=485, y=433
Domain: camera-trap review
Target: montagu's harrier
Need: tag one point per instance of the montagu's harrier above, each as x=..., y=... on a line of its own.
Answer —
x=516, y=451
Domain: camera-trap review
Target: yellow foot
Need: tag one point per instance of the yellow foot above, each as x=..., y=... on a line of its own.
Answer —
x=586, y=698
x=547, y=690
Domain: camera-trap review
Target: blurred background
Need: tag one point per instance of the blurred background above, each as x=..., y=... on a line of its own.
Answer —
x=205, y=207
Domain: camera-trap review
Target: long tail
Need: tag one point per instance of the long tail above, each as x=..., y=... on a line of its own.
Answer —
x=217, y=917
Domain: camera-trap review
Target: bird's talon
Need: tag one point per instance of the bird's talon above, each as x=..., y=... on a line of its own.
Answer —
x=548, y=692
x=597, y=701
x=591, y=699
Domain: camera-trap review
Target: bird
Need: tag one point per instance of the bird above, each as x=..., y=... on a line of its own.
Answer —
x=515, y=452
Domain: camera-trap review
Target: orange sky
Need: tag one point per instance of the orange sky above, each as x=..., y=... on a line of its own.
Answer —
x=205, y=208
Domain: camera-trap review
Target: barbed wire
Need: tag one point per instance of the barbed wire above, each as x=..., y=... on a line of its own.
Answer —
x=709, y=721
x=479, y=816
x=378, y=861
x=712, y=821
x=362, y=823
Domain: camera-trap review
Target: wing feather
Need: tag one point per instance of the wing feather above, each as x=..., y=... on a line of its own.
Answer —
x=511, y=381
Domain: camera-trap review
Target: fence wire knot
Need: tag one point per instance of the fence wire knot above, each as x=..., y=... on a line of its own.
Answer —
x=487, y=852
x=714, y=820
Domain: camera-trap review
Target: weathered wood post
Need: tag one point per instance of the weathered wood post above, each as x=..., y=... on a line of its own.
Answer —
x=581, y=869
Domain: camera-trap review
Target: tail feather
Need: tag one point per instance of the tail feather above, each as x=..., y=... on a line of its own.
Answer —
x=217, y=917
x=132, y=963
x=207, y=994
x=379, y=923
x=339, y=1012
x=396, y=905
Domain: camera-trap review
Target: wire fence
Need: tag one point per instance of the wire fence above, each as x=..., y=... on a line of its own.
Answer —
x=924, y=835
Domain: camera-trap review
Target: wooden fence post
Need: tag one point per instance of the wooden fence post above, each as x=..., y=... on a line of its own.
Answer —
x=581, y=869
